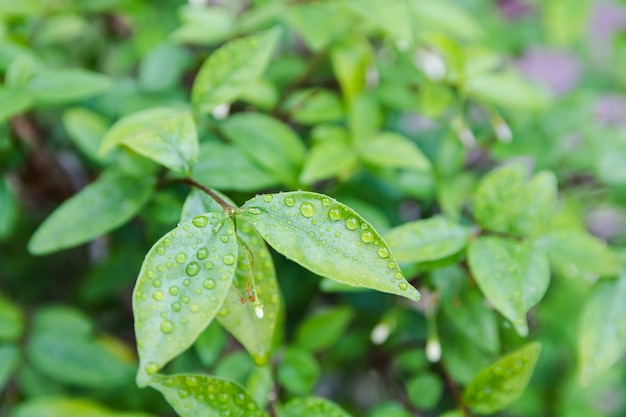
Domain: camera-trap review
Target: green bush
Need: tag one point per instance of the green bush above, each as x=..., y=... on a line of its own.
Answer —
x=326, y=208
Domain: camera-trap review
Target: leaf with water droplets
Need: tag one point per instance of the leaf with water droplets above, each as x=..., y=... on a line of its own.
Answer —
x=328, y=238
x=181, y=286
x=427, y=240
x=312, y=407
x=102, y=206
x=165, y=135
x=200, y=395
x=502, y=382
x=514, y=277
x=58, y=406
x=602, y=333
x=241, y=320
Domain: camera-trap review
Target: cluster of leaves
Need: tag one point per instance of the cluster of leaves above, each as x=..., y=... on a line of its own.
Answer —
x=364, y=145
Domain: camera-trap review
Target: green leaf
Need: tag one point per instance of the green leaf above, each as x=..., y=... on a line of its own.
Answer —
x=260, y=385
x=181, y=286
x=298, y=371
x=322, y=330
x=199, y=395
x=392, y=17
x=351, y=58
x=163, y=68
x=13, y=101
x=9, y=361
x=11, y=320
x=427, y=240
x=514, y=277
x=241, y=320
x=165, y=135
x=327, y=159
x=538, y=204
x=268, y=142
x=86, y=129
x=391, y=150
x=602, y=333
x=66, y=85
x=227, y=72
x=438, y=15
x=100, y=207
x=313, y=106
x=318, y=23
x=66, y=407
x=210, y=343
x=502, y=382
x=424, y=390
x=576, y=254
x=389, y=409
x=204, y=25
x=311, y=407
x=508, y=90
x=226, y=167
x=328, y=238
x=8, y=208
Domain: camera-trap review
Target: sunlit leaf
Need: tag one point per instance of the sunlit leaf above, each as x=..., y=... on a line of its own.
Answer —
x=204, y=25
x=66, y=85
x=165, y=135
x=427, y=240
x=391, y=150
x=181, y=286
x=312, y=106
x=502, y=382
x=508, y=90
x=327, y=159
x=312, y=407
x=444, y=16
x=227, y=72
x=100, y=207
x=68, y=406
x=12, y=102
x=86, y=129
x=11, y=320
x=200, y=395
x=602, y=334
x=318, y=23
x=351, y=58
x=514, y=277
x=327, y=238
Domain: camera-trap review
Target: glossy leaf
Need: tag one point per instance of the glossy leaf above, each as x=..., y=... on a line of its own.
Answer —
x=227, y=72
x=391, y=150
x=323, y=329
x=268, y=142
x=66, y=85
x=13, y=101
x=328, y=238
x=312, y=407
x=86, y=129
x=200, y=395
x=9, y=360
x=165, y=135
x=579, y=255
x=241, y=319
x=100, y=207
x=181, y=286
x=8, y=208
x=502, y=382
x=602, y=333
x=226, y=167
x=427, y=240
x=514, y=277
x=298, y=372
x=11, y=320
x=68, y=406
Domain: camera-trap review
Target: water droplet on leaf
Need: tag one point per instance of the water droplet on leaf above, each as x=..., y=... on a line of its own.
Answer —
x=202, y=253
x=307, y=209
x=158, y=295
x=209, y=284
x=200, y=221
x=334, y=213
x=192, y=269
x=167, y=326
x=351, y=223
x=290, y=201
x=229, y=259
x=181, y=258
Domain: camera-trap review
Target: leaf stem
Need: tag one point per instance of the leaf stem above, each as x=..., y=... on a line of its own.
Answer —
x=230, y=210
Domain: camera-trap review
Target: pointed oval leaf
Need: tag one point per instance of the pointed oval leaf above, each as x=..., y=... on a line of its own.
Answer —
x=180, y=288
x=538, y=205
x=513, y=277
x=312, y=407
x=502, y=382
x=328, y=238
x=602, y=334
x=200, y=395
x=323, y=329
x=227, y=72
x=241, y=320
x=67, y=406
x=165, y=135
x=298, y=371
x=392, y=150
x=13, y=101
x=328, y=159
x=273, y=145
x=427, y=240
x=65, y=85
x=86, y=129
x=100, y=207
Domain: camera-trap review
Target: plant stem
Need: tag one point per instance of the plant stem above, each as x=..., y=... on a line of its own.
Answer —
x=193, y=183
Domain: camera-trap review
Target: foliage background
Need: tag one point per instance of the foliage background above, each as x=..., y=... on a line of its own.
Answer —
x=549, y=72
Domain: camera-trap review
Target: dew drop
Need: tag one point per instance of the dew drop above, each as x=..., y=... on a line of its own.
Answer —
x=184, y=299
x=229, y=259
x=186, y=282
x=150, y=274
x=334, y=213
x=403, y=286
x=224, y=238
x=158, y=295
x=151, y=368
x=326, y=201
x=176, y=306
x=167, y=326
x=202, y=253
x=398, y=275
x=392, y=265
x=367, y=236
x=167, y=241
x=160, y=250
x=200, y=221
x=254, y=211
x=268, y=197
x=351, y=223
x=181, y=257
x=194, y=308
x=192, y=269
x=156, y=283
x=209, y=284
x=337, y=234
x=383, y=252
x=174, y=290
x=290, y=201
x=223, y=397
x=208, y=265
x=307, y=209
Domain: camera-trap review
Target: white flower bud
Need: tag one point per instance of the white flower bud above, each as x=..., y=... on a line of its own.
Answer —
x=431, y=63
x=380, y=333
x=433, y=350
x=220, y=112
